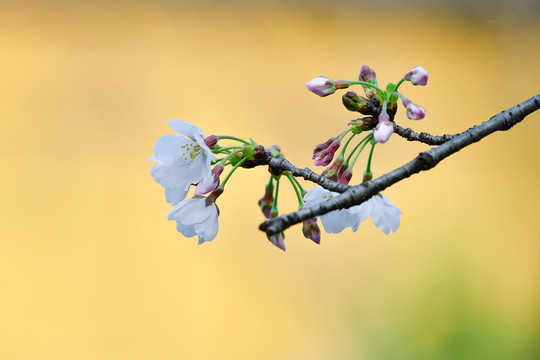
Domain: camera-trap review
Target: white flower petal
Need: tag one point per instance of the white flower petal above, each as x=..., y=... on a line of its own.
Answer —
x=315, y=195
x=193, y=217
x=335, y=222
x=175, y=195
x=186, y=230
x=186, y=129
x=167, y=148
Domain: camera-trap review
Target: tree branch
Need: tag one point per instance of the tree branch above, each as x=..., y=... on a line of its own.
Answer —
x=355, y=195
x=281, y=164
x=426, y=138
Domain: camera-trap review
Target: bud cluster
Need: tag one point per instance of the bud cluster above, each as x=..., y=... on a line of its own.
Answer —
x=377, y=104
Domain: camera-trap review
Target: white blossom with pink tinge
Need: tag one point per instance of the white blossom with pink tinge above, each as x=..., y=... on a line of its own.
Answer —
x=383, y=131
x=194, y=217
x=321, y=86
x=417, y=76
x=384, y=214
x=415, y=112
x=182, y=160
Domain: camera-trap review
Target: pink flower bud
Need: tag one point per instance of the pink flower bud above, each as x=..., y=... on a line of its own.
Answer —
x=345, y=177
x=324, y=156
x=383, y=131
x=384, y=117
x=211, y=141
x=323, y=146
x=417, y=76
x=415, y=112
x=334, y=171
x=278, y=240
x=266, y=202
x=311, y=230
x=202, y=189
x=321, y=86
x=367, y=74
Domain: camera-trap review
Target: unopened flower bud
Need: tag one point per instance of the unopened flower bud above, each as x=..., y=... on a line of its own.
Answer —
x=211, y=141
x=368, y=123
x=321, y=86
x=353, y=102
x=345, y=177
x=216, y=172
x=415, y=112
x=367, y=74
x=278, y=240
x=417, y=76
x=324, y=153
x=335, y=169
x=367, y=176
x=383, y=131
x=266, y=202
x=213, y=196
x=384, y=117
x=311, y=230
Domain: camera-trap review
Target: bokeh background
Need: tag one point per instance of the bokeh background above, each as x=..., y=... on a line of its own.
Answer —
x=90, y=268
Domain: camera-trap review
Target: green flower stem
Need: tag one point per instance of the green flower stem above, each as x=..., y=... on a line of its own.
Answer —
x=347, y=144
x=360, y=145
x=227, y=137
x=274, y=209
x=226, y=149
x=302, y=190
x=296, y=190
x=342, y=135
x=270, y=182
x=397, y=85
x=224, y=160
x=222, y=186
x=368, y=168
x=364, y=83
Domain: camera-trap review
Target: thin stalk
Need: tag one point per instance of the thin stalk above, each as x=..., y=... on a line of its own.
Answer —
x=364, y=83
x=228, y=137
x=302, y=190
x=368, y=168
x=296, y=190
x=274, y=209
x=225, y=149
x=361, y=144
x=222, y=186
x=398, y=84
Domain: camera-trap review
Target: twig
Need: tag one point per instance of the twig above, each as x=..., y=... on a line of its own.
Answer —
x=426, y=138
x=282, y=164
x=355, y=195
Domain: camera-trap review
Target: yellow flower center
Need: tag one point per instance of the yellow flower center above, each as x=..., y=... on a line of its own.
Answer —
x=190, y=151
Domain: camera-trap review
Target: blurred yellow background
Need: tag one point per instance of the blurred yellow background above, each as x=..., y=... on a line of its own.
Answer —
x=90, y=267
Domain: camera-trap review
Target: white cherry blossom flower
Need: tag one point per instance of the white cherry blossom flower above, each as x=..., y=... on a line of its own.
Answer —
x=384, y=214
x=335, y=221
x=417, y=76
x=195, y=217
x=182, y=160
x=383, y=131
x=321, y=86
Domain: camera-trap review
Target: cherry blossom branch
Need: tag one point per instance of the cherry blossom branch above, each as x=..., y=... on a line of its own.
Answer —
x=423, y=137
x=281, y=164
x=355, y=195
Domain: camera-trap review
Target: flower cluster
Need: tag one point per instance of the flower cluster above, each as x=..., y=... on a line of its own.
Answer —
x=184, y=160
x=189, y=159
x=380, y=105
